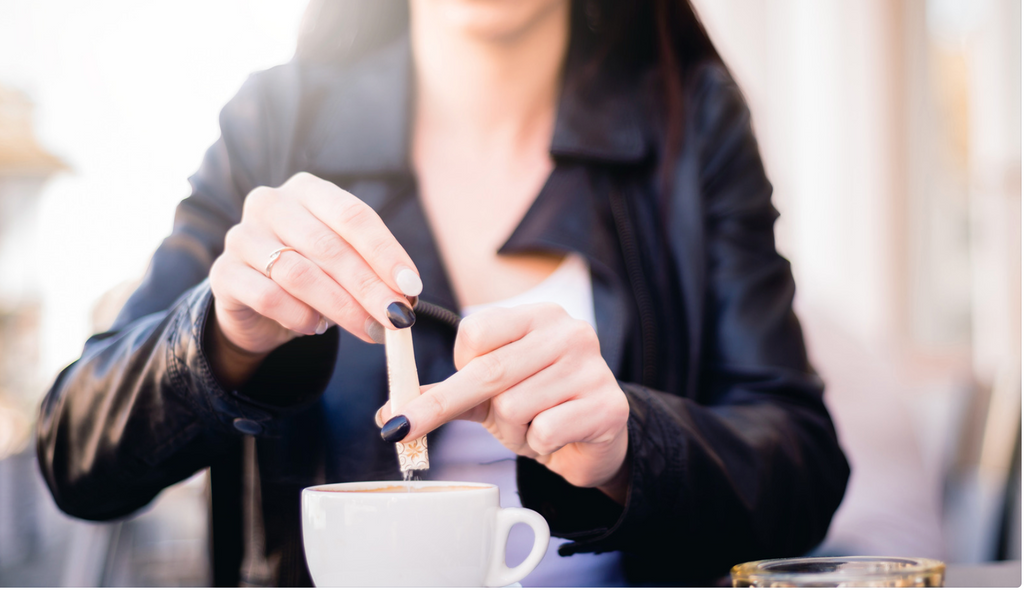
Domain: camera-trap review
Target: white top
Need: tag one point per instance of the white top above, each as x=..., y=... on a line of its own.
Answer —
x=568, y=286
x=465, y=451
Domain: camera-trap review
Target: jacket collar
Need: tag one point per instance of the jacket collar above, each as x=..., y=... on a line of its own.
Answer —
x=364, y=121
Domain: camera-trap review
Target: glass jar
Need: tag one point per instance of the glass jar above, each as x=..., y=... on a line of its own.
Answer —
x=836, y=572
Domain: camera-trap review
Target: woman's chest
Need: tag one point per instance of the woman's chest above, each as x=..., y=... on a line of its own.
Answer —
x=570, y=214
x=471, y=212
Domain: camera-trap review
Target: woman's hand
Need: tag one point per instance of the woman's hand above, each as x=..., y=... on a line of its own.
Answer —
x=346, y=267
x=535, y=378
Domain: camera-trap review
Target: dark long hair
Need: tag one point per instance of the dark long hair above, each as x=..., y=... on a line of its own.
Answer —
x=634, y=35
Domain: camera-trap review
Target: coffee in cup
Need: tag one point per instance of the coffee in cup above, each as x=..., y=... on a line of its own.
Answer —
x=408, y=487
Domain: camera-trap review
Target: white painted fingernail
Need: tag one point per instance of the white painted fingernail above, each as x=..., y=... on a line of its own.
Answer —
x=321, y=326
x=409, y=282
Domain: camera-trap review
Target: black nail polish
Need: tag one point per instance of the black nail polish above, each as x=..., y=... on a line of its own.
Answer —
x=395, y=430
x=413, y=300
x=400, y=315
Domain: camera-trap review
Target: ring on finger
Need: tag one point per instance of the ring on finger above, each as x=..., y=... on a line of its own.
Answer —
x=274, y=256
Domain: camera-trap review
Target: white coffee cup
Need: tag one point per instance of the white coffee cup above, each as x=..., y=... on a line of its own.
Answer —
x=356, y=535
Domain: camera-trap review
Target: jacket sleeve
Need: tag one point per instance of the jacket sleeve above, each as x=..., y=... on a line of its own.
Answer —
x=140, y=409
x=749, y=467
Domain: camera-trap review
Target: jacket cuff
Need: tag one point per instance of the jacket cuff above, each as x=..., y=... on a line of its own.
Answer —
x=290, y=379
x=587, y=516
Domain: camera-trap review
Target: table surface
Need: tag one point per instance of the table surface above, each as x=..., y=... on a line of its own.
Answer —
x=998, y=574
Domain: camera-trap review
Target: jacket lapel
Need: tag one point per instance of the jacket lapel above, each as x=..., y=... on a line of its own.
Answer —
x=570, y=215
x=361, y=130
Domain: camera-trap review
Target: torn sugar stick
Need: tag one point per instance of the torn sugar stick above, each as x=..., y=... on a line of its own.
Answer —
x=404, y=385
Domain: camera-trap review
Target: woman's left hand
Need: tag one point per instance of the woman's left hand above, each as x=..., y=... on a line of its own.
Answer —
x=535, y=378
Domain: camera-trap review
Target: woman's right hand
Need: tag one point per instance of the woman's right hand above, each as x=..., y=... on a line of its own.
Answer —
x=347, y=268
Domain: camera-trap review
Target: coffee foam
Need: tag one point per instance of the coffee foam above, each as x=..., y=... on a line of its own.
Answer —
x=403, y=488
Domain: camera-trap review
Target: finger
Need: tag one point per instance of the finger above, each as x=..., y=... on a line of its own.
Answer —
x=545, y=389
x=569, y=422
x=301, y=278
x=477, y=413
x=245, y=287
x=491, y=328
x=361, y=227
x=512, y=412
x=582, y=443
x=336, y=257
x=595, y=421
x=481, y=379
x=512, y=436
x=384, y=412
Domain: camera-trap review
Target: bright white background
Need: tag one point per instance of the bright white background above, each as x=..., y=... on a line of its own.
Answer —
x=127, y=94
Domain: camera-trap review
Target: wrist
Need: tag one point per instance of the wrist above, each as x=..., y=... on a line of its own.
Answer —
x=617, y=486
x=232, y=365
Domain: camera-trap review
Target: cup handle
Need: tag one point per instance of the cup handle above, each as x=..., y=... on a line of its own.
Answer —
x=499, y=573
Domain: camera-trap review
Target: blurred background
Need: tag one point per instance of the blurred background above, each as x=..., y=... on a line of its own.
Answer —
x=890, y=129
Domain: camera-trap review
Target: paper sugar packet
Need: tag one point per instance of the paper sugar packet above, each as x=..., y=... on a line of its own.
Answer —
x=403, y=386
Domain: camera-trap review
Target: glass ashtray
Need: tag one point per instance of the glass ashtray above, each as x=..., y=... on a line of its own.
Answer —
x=840, y=572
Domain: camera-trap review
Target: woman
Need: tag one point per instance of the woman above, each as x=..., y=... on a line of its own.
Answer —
x=485, y=149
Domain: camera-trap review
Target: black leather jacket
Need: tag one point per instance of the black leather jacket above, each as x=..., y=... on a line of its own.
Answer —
x=734, y=456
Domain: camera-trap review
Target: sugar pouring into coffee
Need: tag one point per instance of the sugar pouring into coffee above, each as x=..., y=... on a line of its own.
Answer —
x=403, y=386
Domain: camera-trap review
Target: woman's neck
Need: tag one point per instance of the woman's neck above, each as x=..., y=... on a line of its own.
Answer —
x=485, y=88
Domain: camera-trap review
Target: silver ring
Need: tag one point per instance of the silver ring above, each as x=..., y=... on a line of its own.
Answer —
x=274, y=256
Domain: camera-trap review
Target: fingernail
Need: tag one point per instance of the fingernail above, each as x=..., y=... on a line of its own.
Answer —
x=395, y=430
x=409, y=282
x=413, y=300
x=400, y=315
x=321, y=326
x=375, y=330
